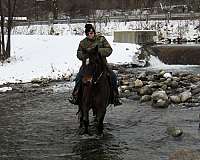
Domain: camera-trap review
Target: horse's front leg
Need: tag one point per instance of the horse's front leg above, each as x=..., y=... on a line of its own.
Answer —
x=100, y=118
x=86, y=121
x=80, y=118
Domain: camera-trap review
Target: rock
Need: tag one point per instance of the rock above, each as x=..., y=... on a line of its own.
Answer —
x=174, y=131
x=168, y=82
x=185, y=154
x=146, y=90
x=164, y=87
x=162, y=72
x=160, y=103
x=40, y=80
x=5, y=89
x=185, y=96
x=138, y=83
x=175, y=99
x=36, y=80
x=134, y=96
x=35, y=85
x=159, y=95
x=145, y=98
x=125, y=82
x=196, y=90
x=142, y=76
x=174, y=84
x=177, y=79
x=124, y=88
x=162, y=79
x=160, y=99
x=167, y=75
x=154, y=84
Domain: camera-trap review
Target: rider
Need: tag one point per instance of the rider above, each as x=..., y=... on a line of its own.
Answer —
x=86, y=47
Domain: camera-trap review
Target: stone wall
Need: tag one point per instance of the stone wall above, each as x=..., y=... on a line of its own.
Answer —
x=134, y=36
x=178, y=54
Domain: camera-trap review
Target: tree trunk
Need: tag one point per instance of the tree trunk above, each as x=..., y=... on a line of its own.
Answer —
x=2, y=41
x=5, y=49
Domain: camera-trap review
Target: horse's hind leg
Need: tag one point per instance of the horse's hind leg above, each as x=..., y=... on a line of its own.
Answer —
x=94, y=111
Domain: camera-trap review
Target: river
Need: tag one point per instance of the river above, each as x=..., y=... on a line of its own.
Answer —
x=40, y=124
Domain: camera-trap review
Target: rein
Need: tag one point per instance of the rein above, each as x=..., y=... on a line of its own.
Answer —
x=95, y=82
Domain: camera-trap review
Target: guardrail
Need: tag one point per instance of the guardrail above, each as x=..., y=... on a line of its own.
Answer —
x=177, y=16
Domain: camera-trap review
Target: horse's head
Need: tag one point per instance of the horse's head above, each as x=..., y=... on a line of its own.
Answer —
x=94, y=56
x=96, y=65
x=96, y=60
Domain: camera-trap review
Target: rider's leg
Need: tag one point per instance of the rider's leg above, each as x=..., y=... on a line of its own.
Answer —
x=74, y=98
x=116, y=99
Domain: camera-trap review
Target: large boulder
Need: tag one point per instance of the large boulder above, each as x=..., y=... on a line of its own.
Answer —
x=160, y=99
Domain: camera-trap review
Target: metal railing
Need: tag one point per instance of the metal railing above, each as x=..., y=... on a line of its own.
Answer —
x=177, y=16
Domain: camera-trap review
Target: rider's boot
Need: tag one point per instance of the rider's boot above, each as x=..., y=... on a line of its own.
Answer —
x=116, y=99
x=74, y=97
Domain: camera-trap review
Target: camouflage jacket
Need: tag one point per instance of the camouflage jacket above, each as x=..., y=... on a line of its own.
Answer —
x=104, y=47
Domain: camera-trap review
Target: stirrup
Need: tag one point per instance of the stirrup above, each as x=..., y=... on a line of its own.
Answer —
x=117, y=102
x=74, y=100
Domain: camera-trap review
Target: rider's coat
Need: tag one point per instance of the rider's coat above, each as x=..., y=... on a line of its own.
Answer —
x=104, y=47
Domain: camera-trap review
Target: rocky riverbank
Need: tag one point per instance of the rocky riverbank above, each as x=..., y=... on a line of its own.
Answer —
x=160, y=88
x=156, y=88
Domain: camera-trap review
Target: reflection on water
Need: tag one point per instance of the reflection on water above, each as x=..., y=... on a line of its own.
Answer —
x=99, y=148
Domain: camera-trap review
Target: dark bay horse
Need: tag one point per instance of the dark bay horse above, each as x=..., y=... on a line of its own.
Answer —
x=96, y=92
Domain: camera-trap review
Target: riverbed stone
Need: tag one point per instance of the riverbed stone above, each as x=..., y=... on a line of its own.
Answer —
x=145, y=98
x=142, y=76
x=185, y=154
x=160, y=103
x=174, y=131
x=138, y=83
x=175, y=99
x=167, y=75
x=146, y=90
x=185, y=96
x=159, y=95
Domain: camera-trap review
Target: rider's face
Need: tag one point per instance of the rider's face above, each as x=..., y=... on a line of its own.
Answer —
x=90, y=34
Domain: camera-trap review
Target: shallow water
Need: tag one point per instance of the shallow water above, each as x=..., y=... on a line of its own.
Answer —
x=41, y=124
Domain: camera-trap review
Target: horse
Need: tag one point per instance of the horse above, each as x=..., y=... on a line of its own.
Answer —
x=95, y=92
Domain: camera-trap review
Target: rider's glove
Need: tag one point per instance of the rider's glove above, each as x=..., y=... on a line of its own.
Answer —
x=92, y=49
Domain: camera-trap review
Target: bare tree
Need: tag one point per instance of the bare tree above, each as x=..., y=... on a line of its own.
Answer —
x=7, y=10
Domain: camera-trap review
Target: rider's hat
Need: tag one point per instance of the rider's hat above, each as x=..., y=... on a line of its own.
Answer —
x=89, y=28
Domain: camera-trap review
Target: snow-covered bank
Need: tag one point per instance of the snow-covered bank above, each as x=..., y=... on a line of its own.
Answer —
x=37, y=56
x=186, y=29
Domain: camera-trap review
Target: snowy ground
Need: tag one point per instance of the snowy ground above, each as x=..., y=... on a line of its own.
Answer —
x=37, y=56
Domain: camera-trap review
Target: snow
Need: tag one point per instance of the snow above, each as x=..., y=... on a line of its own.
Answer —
x=46, y=56
x=36, y=54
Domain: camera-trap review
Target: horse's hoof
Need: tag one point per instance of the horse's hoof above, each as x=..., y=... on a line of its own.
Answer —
x=82, y=131
x=95, y=119
x=100, y=133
